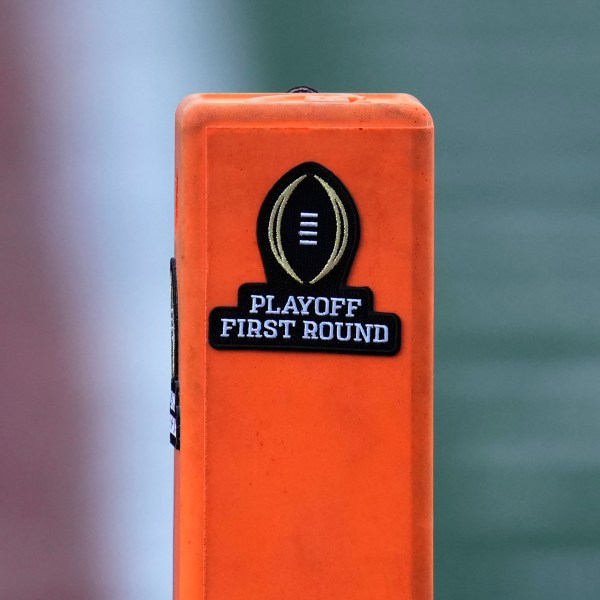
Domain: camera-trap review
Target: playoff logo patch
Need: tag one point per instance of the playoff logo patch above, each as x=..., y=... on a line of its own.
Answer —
x=308, y=232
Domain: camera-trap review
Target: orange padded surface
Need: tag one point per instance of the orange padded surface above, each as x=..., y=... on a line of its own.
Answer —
x=304, y=475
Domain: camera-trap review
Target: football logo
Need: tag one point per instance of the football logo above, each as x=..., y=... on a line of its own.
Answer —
x=306, y=212
x=308, y=233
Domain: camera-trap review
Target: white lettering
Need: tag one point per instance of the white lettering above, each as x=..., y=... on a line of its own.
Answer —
x=353, y=304
x=324, y=304
x=257, y=302
x=364, y=332
x=336, y=304
x=386, y=335
x=254, y=327
x=270, y=310
x=286, y=324
x=290, y=306
x=310, y=330
x=304, y=304
x=227, y=326
x=326, y=325
x=270, y=328
x=241, y=327
x=338, y=331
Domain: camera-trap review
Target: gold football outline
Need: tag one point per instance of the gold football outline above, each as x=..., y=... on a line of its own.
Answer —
x=341, y=229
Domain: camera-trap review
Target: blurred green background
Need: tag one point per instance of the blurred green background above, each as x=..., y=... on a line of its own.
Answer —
x=88, y=102
x=514, y=89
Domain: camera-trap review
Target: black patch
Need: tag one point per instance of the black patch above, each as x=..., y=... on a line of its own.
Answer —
x=175, y=425
x=308, y=232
